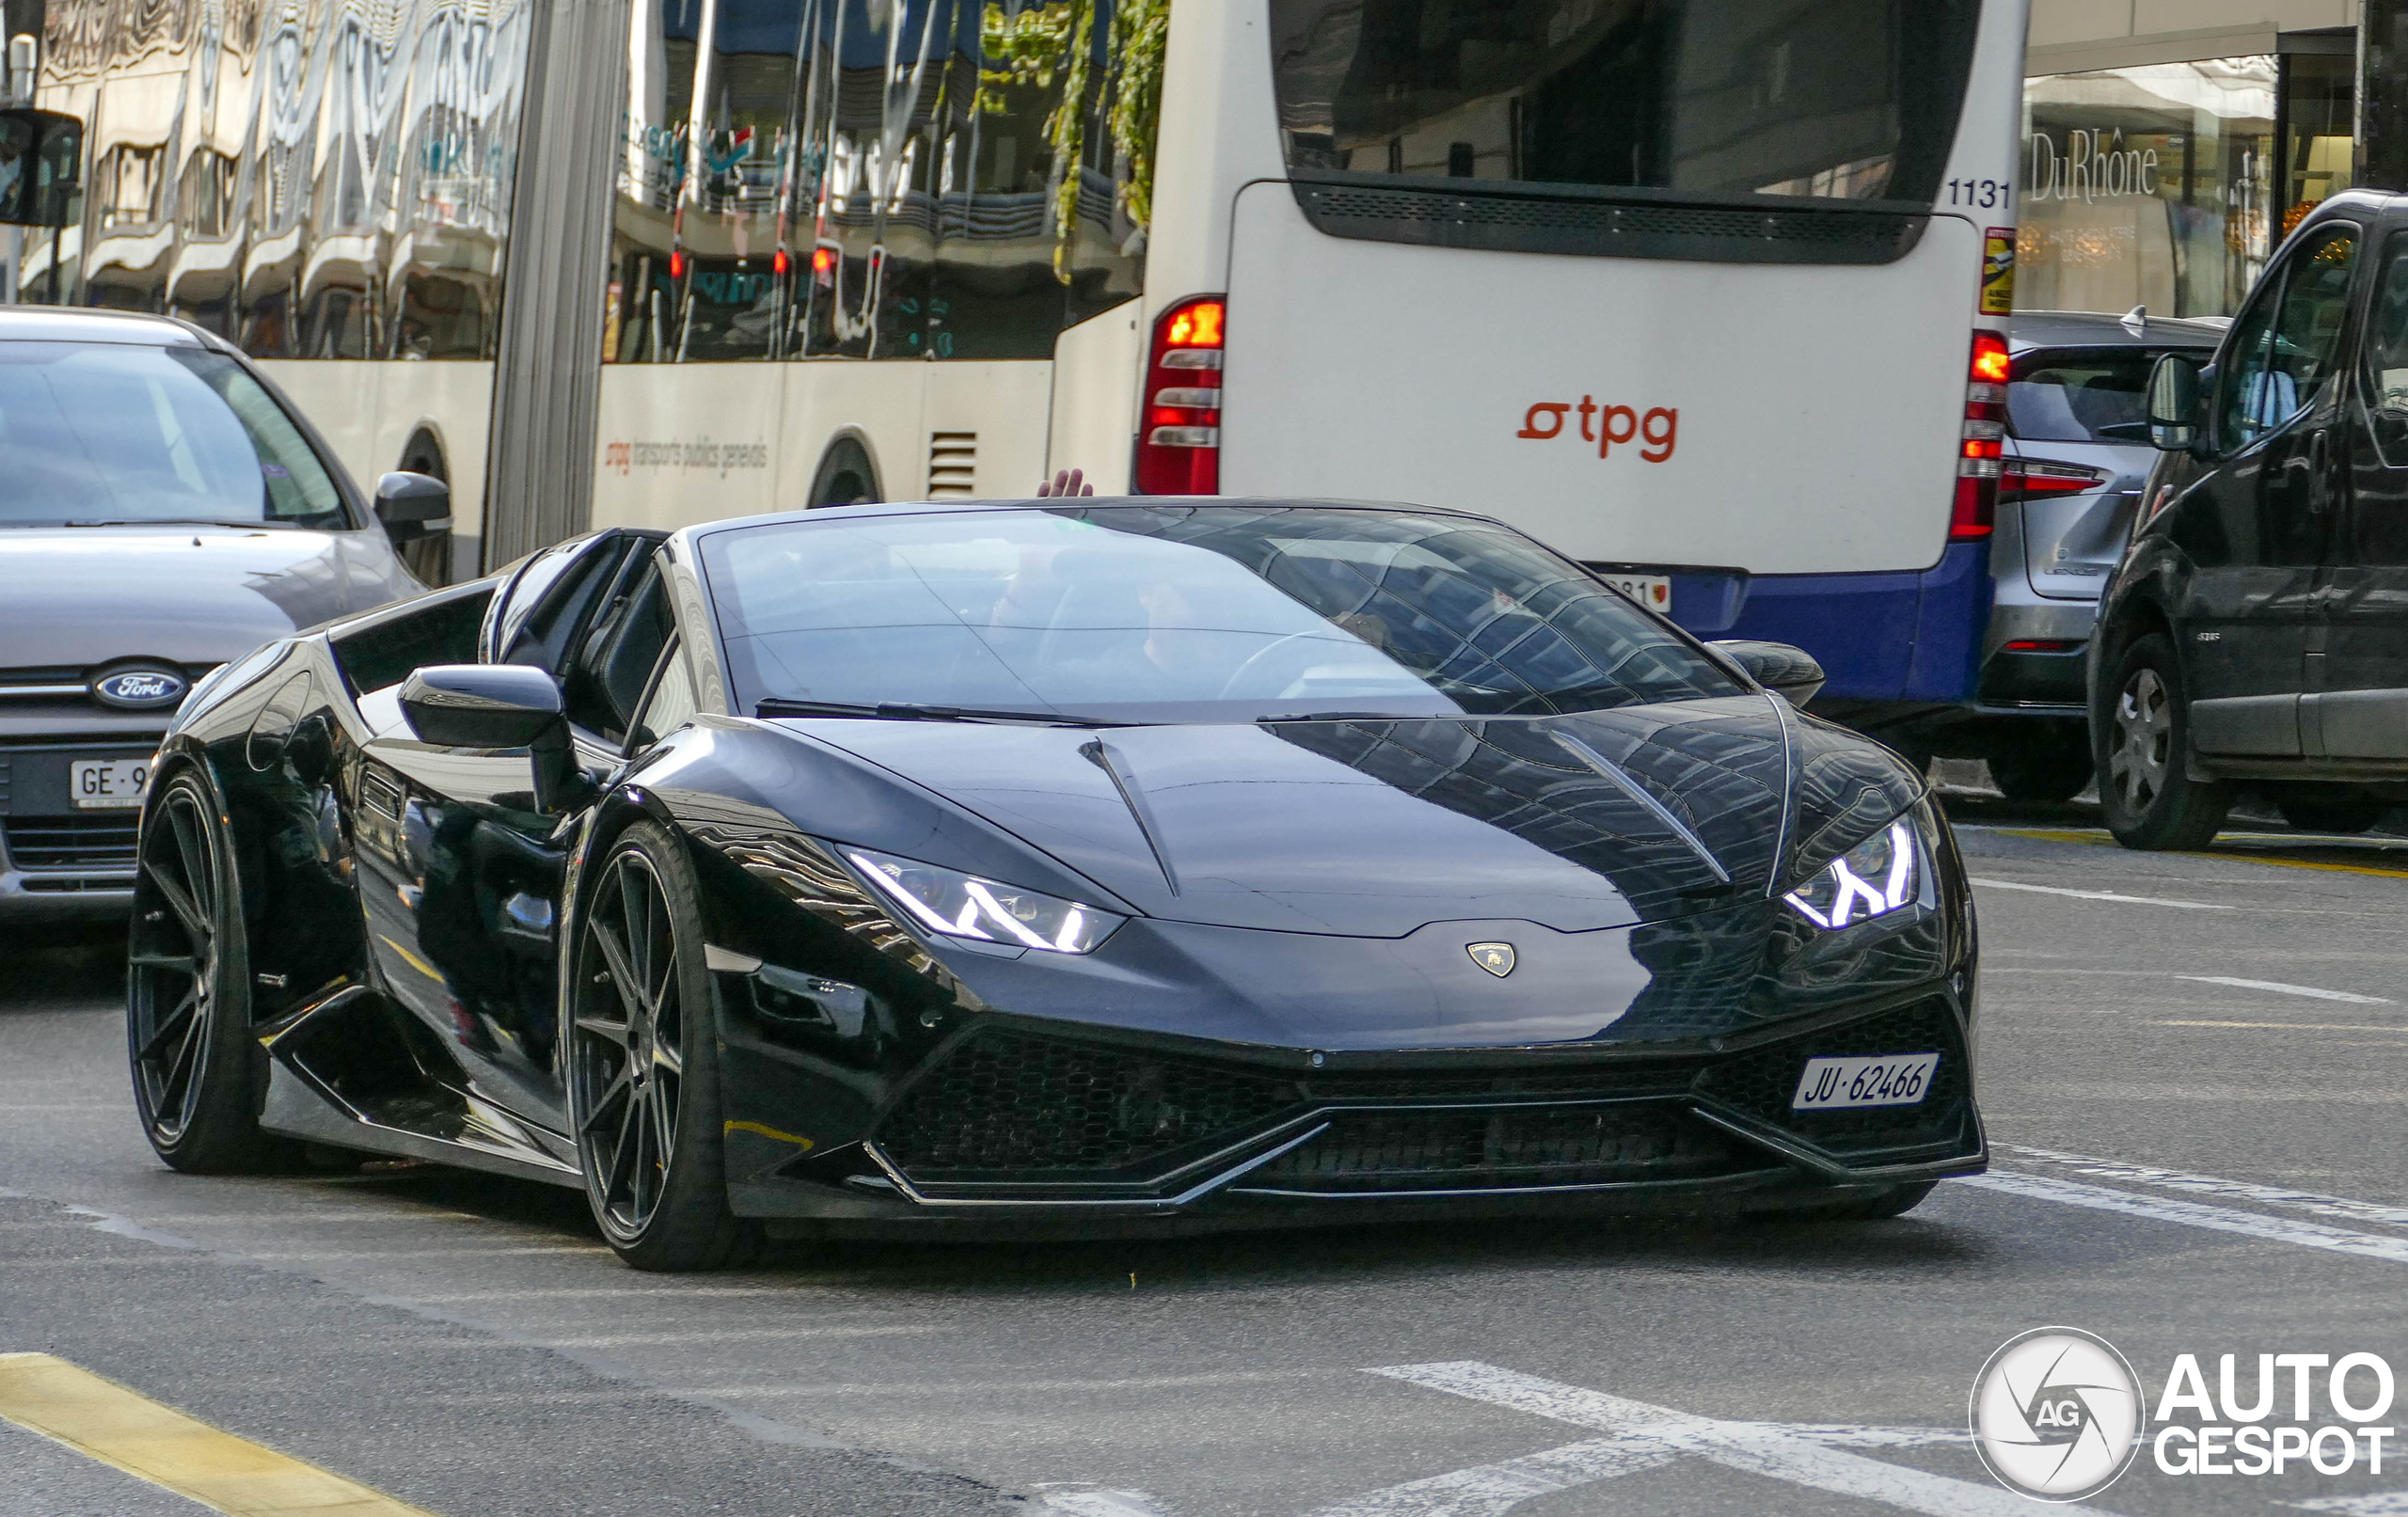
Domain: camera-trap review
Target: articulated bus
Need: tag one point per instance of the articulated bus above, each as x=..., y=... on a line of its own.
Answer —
x=1710, y=294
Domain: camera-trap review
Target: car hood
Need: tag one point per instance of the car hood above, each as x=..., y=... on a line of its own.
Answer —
x=78, y=597
x=1379, y=828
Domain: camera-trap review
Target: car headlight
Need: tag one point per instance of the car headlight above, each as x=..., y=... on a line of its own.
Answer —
x=957, y=905
x=1887, y=872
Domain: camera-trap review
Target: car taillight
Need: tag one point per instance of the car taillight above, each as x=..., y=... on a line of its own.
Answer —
x=1179, y=427
x=2029, y=479
x=1975, y=510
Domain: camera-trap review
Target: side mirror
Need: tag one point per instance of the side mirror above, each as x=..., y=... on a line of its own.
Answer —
x=2173, y=403
x=412, y=506
x=1787, y=671
x=41, y=167
x=497, y=708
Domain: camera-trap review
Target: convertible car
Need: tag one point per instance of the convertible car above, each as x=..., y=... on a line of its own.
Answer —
x=1052, y=866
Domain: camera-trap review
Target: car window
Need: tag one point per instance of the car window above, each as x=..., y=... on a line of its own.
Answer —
x=618, y=652
x=555, y=602
x=671, y=705
x=126, y=432
x=2284, y=349
x=2082, y=394
x=2386, y=352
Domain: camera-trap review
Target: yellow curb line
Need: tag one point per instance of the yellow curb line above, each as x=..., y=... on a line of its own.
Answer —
x=103, y=1420
x=2046, y=835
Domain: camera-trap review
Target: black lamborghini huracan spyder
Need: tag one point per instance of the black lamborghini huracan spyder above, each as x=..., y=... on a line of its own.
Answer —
x=1051, y=865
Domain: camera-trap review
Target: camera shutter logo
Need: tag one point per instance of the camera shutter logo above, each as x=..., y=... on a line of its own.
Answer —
x=2057, y=1414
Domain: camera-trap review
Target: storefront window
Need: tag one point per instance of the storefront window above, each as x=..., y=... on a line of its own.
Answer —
x=2150, y=186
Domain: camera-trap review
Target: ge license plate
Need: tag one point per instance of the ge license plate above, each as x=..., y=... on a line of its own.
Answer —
x=100, y=784
x=1652, y=591
x=1878, y=1079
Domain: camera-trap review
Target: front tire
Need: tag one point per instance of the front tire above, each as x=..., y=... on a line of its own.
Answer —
x=2049, y=766
x=198, y=1075
x=2142, y=745
x=644, y=1062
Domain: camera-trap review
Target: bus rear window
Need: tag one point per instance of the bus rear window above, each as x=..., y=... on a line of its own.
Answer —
x=1716, y=99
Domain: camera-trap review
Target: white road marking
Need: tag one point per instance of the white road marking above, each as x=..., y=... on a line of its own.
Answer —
x=2280, y=988
x=2192, y=1214
x=2176, y=1180
x=1093, y=1501
x=1008, y=1387
x=2293, y=1027
x=2101, y=895
x=1644, y=1436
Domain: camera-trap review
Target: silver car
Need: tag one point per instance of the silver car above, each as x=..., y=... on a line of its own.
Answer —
x=162, y=511
x=2076, y=452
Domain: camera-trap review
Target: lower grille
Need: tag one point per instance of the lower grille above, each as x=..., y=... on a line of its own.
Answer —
x=1761, y=1083
x=1502, y=1150
x=104, y=841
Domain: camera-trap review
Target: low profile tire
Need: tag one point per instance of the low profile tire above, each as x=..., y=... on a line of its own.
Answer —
x=644, y=1062
x=198, y=1075
x=2049, y=767
x=2142, y=751
x=2339, y=812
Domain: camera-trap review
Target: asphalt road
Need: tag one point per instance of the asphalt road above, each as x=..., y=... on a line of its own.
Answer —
x=2195, y=1071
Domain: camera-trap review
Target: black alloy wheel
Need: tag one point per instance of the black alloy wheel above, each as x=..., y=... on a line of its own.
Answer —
x=2142, y=746
x=644, y=1062
x=198, y=1075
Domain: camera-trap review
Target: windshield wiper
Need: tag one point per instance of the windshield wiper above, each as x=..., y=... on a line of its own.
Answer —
x=778, y=705
x=171, y=521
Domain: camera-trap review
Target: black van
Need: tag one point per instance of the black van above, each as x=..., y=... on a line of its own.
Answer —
x=2255, y=632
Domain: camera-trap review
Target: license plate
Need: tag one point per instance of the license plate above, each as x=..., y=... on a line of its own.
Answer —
x=100, y=784
x=1653, y=590
x=1875, y=1080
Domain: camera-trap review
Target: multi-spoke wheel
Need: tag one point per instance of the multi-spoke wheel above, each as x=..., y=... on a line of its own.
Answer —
x=643, y=1066
x=2142, y=739
x=197, y=1074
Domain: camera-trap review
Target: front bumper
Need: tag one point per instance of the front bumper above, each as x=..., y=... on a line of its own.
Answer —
x=1025, y=1127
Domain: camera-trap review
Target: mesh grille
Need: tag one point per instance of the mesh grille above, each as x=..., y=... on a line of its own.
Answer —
x=1500, y=1151
x=1761, y=1083
x=103, y=842
x=1535, y=223
x=1011, y=1103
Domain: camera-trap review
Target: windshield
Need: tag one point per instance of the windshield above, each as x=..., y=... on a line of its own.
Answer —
x=1188, y=613
x=107, y=431
x=1847, y=99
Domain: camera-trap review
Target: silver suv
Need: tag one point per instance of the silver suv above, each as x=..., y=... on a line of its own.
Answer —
x=162, y=511
x=2076, y=452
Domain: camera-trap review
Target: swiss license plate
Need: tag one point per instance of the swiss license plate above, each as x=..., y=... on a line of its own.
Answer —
x=98, y=784
x=1872, y=1080
x=1653, y=590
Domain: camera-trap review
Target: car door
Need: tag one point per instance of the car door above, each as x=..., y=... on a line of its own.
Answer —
x=2356, y=699
x=2258, y=552
x=467, y=871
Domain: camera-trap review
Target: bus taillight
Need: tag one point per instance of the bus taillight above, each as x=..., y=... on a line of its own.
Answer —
x=1178, y=437
x=1975, y=512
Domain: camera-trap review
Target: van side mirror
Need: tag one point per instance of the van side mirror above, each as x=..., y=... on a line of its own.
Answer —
x=41, y=167
x=412, y=506
x=1789, y=672
x=2173, y=403
x=497, y=708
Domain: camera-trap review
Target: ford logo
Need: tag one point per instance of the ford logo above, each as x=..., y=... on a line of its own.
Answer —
x=139, y=690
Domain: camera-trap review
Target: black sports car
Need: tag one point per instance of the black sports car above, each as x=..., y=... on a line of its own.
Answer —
x=1056, y=864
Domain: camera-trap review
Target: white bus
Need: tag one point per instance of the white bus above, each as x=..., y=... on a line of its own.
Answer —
x=1693, y=290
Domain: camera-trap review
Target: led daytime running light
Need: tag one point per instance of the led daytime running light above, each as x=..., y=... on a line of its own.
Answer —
x=1852, y=891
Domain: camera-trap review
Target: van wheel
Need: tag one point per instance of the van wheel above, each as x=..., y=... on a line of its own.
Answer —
x=2341, y=811
x=2050, y=765
x=2142, y=743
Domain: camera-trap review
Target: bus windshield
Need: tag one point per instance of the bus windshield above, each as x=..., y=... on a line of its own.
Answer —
x=1715, y=99
x=1181, y=614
